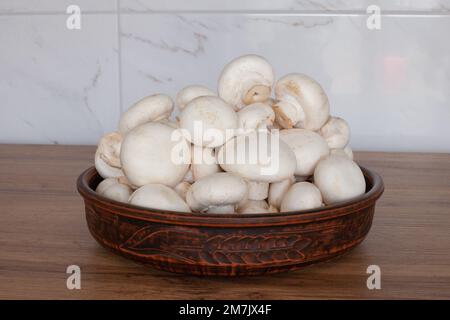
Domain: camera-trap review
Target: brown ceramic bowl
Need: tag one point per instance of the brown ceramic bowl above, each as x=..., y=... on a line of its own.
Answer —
x=228, y=244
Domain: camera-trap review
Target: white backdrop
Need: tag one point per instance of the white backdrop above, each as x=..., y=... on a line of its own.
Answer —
x=69, y=86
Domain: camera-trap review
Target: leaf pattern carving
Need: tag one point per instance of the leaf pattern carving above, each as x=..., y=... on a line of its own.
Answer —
x=193, y=247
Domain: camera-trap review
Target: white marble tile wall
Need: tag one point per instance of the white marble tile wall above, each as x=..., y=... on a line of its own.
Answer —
x=284, y=5
x=69, y=86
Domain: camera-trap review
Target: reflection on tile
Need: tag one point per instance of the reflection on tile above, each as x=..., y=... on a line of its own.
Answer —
x=58, y=85
x=391, y=84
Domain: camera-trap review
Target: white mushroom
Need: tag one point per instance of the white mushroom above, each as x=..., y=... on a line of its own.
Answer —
x=308, y=147
x=257, y=190
x=109, y=149
x=301, y=102
x=149, y=155
x=277, y=190
x=258, y=156
x=158, y=197
x=189, y=93
x=115, y=189
x=152, y=108
x=118, y=191
x=204, y=162
x=105, y=184
x=339, y=179
x=256, y=206
x=208, y=121
x=347, y=151
x=245, y=80
x=255, y=116
x=105, y=170
x=182, y=189
x=301, y=196
x=220, y=189
x=336, y=132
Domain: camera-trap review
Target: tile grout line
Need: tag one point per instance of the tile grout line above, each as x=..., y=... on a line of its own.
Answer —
x=119, y=55
x=292, y=13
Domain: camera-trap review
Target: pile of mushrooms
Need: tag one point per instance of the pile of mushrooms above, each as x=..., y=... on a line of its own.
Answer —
x=201, y=161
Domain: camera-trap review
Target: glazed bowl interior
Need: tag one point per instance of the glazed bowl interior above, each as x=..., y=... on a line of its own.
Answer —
x=89, y=180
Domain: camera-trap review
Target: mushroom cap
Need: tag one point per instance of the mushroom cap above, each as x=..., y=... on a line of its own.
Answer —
x=245, y=80
x=256, y=206
x=205, y=116
x=277, y=190
x=115, y=189
x=152, y=108
x=306, y=96
x=339, y=179
x=105, y=170
x=255, y=116
x=258, y=156
x=347, y=151
x=301, y=196
x=204, y=162
x=118, y=192
x=308, y=147
x=218, y=189
x=109, y=149
x=102, y=186
x=148, y=155
x=189, y=93
x=336, y=132
x=158, y=197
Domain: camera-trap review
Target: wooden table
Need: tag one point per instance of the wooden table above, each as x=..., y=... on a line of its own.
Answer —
x=43, y=230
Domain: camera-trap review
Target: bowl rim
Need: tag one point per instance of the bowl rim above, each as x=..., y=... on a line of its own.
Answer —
x=230, y=219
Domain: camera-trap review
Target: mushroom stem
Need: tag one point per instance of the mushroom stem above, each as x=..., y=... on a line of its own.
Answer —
x=256, y=206
x=257, y=190
x=305, y=94
x=105, y=170
x=109, y=149
x=288, y=113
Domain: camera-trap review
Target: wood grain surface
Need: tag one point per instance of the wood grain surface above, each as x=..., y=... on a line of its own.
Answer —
x=43, y=230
